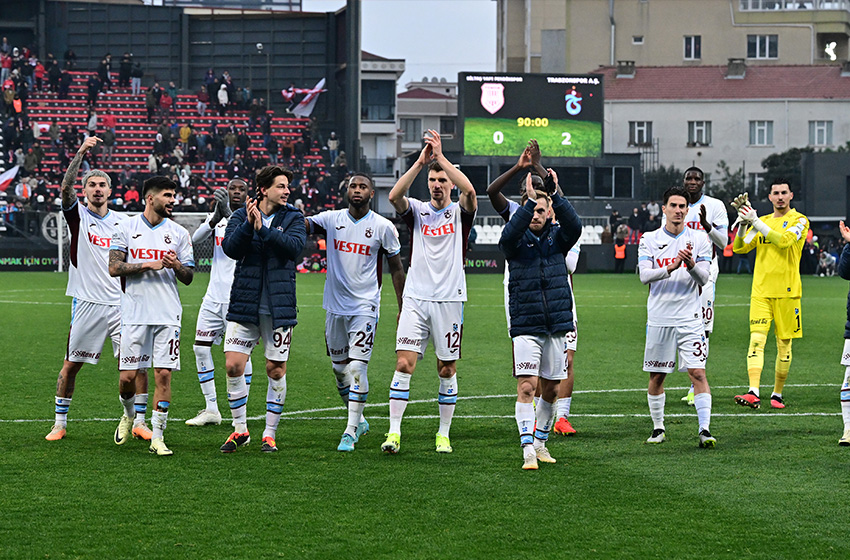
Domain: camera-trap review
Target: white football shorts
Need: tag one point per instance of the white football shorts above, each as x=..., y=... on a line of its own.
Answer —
x=441, y=322
x=540, y=356
x=91, y=323
x=663, y=343
x=242, y=337
x=349, y=336
x=143, y=346
x=212, y=322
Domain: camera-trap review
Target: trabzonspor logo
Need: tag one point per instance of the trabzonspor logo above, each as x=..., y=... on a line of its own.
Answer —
x=573, y=101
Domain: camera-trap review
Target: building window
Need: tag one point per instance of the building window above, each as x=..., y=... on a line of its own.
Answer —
x=755, y=183
x=693, y=47
x=820, y=133
x=761, y=133
x=411, y=130
x=699, y=133
x=762, y=46
x=614, y=182
x=637, y=39
x=447, y=127
x=640, y=133
x=377, y=100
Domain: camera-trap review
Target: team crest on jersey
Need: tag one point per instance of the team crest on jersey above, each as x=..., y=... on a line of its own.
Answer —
x=167, y=239
x=448, y=214
x=368, y=232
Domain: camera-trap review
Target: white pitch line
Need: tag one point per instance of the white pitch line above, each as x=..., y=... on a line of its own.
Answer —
x=294, y=414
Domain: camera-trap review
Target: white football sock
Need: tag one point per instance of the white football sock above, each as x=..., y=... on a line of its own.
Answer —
x=656, y=409
x=237, y=397
x=399, y=395
x=275, y=397
x=702, y=402
x=524, y=413
x=447, y=400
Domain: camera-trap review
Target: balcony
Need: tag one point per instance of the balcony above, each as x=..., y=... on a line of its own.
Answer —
x=792, y=5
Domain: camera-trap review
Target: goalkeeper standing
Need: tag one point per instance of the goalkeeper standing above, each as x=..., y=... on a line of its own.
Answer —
x=777, y=289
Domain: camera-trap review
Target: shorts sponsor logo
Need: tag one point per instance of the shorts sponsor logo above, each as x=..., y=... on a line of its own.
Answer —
x=658, y=363
x=206, y=333
x=135, y=359
x=528, y=366
x=83, y=354
x=846, y=357
x=238, y=342
x=408, y=341
x=758, y=322
x=341, y=352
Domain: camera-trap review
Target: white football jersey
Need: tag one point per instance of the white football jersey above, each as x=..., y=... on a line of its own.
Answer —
x=223, y=267
x=91, y=239
x=673, y=301
x=715, y=213
x=353, y=282
x=438, y=249
x=151, y=298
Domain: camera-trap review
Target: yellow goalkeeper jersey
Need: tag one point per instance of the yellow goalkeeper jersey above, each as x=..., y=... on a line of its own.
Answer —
x=777, y=272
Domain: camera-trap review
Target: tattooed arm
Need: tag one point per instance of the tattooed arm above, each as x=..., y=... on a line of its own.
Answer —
x=118, y=265
x=69, y=195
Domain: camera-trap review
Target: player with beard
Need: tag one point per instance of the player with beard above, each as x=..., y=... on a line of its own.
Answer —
x=357, y=240
x=96, y=307
x=150, y=252
x=212, y=317
x=707, y=214
x=435, y=288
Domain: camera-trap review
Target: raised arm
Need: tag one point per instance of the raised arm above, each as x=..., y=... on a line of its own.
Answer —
x=467, y=199
x=494, y=189
x=398, y=194
x=69, y=195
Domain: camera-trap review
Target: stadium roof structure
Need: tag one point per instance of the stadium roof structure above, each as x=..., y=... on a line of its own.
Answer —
x=716, y=83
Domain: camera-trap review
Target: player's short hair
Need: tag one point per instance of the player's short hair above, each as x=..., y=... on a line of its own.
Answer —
x=238, y=179
x=536, y=181
x=157, y=184
x=675, y=190
x=97, y=173
x=434, y=166
x=694, y=168
x=781, y=181
x=538, y=194
x=267, y=175
x=361, y=174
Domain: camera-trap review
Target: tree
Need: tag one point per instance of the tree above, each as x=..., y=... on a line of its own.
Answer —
x=785, y=165
x=725, y=183
x=659, y=180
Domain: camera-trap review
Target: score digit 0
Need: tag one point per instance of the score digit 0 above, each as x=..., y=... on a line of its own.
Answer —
x=498, y=137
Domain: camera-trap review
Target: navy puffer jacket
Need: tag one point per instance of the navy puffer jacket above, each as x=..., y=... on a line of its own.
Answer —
x=266, y=256
x=844, y=272
x=540, y=299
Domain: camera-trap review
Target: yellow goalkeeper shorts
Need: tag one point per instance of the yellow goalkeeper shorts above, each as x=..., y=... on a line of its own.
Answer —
x=785, y=311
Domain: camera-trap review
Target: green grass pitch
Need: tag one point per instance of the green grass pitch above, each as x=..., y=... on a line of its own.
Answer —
x=775, y=487
x=585, y=138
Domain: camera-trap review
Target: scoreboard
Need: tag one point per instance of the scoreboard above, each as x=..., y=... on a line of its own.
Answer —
x=500, y=113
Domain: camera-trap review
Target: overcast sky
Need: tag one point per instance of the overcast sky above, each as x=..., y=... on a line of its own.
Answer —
x=435, y=37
